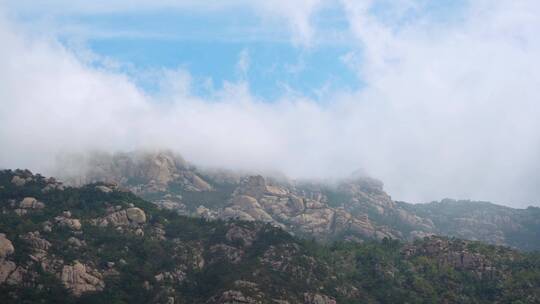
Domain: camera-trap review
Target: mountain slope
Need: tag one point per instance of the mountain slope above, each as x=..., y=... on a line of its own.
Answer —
x=519, y=228
x=350, y=209
x=99, y=243
x=354, y=208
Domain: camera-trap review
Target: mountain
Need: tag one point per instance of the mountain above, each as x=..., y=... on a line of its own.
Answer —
x=357, y=208
x=354, y=208
x=494, y=224
x=100, y=243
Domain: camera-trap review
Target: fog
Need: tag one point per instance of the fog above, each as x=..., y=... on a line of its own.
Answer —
x=447, y=110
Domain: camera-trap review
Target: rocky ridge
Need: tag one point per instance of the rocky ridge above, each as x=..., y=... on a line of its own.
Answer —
x=350, y=209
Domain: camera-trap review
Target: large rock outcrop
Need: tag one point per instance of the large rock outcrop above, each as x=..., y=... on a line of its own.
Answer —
x=80, y=278
x=126, y=217
x=141, y=172
x=306, y=210
x=6, y=247
x=315, y=298
x=457, y=254
x=233, y=297
x=10, y=273
x=65, y=220
x=31, y=203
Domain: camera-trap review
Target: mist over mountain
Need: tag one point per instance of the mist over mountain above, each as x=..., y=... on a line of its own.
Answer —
x=446, y=109
x=355, y=208
x=280, y=152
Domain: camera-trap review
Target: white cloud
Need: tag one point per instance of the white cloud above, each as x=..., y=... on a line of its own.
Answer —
x=446, y=110
x=460, y=100
x=298, y=15
x=242, y=66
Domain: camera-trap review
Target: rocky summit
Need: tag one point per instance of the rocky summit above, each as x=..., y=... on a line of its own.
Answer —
x=100, y=243
x=354, y=209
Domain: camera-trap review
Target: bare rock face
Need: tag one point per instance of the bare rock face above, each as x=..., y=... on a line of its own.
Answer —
x=256, y=186
x=46, y=226
x=21, y=177
x=80, y=279
x=300, y=207
x=36, y=241
x=419, y=234
x=414, y=220
x=136, y=215
x=6, y=247
x=52, y=184
x=171, y=205
x=131, y=216
x=367, y=190
x=141, y=172
x=160, y=167
x=177, y=276
x=18, y=181
x=246, y=202
x=71, y=223
x=360, y=224
x=31, y=203
x=104, y=189
x=296, y=203
x=233, y=297
x=195, y=182
x=9, y=272
x=314, y=221
x=315, y=298
x=206, y=213
x=160, y=176
x=256, y=199
x=40, y=247
x=305, y=212
x=253, y=186
x=247, y=208
x=234, y=213
x=455, y=254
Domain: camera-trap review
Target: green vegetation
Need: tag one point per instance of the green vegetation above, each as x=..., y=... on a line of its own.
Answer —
x=204, y=260
x=479, y=220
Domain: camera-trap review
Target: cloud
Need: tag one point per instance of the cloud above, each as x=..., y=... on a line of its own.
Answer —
x=298, y=15
x=242, y=66
x=295, y=16
x=460, y=100
x=447, y=110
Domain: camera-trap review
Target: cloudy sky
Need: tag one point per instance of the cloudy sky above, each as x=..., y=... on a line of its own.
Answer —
x=435, y=98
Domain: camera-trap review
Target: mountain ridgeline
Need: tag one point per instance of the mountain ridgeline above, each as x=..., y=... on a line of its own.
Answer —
x=353, y=209
x=100, y=243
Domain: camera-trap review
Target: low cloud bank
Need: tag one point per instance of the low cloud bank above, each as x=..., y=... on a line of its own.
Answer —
x=447, y=111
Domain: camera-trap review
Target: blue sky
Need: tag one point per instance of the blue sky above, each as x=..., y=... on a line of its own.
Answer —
x=272, y=66
x=208, y=43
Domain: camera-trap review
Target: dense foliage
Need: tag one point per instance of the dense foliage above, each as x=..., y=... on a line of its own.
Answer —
x=201, y=260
